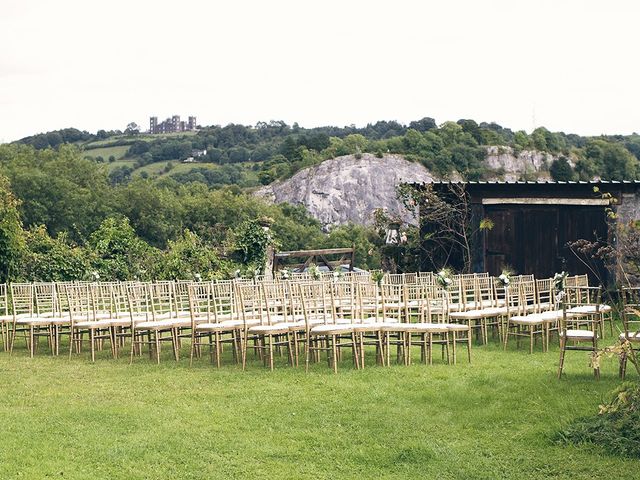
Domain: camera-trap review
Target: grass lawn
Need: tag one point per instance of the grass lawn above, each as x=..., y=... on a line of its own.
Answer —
x=117, y=152
x=490, y=419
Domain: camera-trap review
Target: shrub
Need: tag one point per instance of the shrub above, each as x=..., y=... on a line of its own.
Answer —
x=616, y=428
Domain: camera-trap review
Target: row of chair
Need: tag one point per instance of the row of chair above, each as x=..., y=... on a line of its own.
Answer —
x=302, y=316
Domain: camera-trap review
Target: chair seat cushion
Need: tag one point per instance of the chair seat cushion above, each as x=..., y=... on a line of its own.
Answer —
x=331, y=328
x=632, y=336
x=218, y=327
x=468, y=315
x=532, y=319
x=155, y=325
x=92, y=324
x=278, y=328
x=426, y=327
x=35, y=321
x=590, y=309
x=578, y=334
x=457, y=327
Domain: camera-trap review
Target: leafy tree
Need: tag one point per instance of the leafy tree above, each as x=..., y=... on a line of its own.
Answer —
x=561, y=171
x=424, y=125
x=188, y=257
x=118, y=253
x=12, y=242
x=53, y=259
x=132, y=129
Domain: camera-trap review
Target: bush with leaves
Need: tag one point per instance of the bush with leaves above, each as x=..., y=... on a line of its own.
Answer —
x=189, y=258
x=49, y=259
x=12, y=245
x=119, y=254
x=616, y=428
x=250, y=244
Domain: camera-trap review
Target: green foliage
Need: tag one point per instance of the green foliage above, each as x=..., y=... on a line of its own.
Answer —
x=12, y=242
x=250, y=244
x=189, y=258
x=616, y=428
x=366, y=241
x=53, y=259
x=561, y=171
x=118, y=254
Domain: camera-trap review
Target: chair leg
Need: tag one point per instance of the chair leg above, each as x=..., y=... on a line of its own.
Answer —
x=92, y=340
x=271, y=352
x=454, y=347
x=334, y=351
x=156, y=336
x=32, y=343
x=561, y=365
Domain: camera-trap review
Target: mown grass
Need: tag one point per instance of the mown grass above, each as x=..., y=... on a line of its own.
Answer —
x=118, y=152
x=493, y=418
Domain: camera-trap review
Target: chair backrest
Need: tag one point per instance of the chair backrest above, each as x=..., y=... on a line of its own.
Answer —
x=80, y=303
x=577, y=281
x=250, y=302
x=275, y=304
x=161, y=296
x=485, y=292
x=545, y=292
x=201, y=302
x=528, y=300
x=139, y=300
x=22, y=299
x=468, y=291
x=46, y=299
x=580, y=296
x=4, y=300
x=317, y=306
x=392, y=302
x=369, y=302
x=631, y=310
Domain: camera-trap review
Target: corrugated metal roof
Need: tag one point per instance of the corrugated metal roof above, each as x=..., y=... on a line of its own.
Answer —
x=536, y=182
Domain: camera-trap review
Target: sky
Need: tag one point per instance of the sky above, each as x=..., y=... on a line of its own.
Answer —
x=568, y=65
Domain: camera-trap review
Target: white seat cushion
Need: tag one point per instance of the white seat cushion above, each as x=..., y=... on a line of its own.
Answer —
x=533, y=319
x=578, y=334
x=632, y=337
x=330, y=328
x=587, y=309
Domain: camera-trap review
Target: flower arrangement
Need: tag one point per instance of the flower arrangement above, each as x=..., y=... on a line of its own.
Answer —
x=285, y=274
x=559, y=284
x=504, y=279
x=377, y=277
x=560, y=281
x=314, y=271
x=443, y=278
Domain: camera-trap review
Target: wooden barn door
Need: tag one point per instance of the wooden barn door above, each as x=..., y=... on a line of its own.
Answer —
x=523, y=238
x=533, y=238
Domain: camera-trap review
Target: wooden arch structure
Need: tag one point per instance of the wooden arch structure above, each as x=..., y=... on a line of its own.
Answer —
x=299, y=260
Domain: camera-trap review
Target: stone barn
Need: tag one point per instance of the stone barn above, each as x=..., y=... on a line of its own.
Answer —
x=534, y=221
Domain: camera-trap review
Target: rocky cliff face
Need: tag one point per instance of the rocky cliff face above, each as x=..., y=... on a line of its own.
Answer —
x=349, y=189
x=529, y=164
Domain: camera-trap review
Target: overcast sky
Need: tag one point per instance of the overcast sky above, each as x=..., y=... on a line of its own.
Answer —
x=569, y=65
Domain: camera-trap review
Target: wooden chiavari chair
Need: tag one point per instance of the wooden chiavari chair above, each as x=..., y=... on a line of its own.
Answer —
x=5, y=318
x=631, y=326
x=527, y=321
x=210, y=320
x=318, y=302
x=584, y=336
